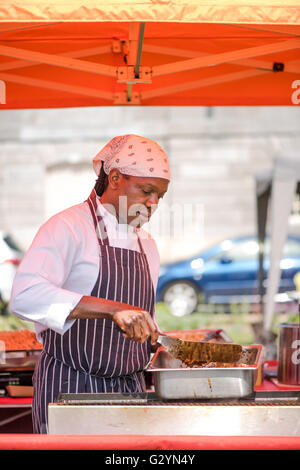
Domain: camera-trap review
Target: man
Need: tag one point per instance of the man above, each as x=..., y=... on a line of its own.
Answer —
x=88, y=280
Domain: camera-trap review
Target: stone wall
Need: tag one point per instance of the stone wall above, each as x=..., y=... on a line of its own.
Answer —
x=45, y=163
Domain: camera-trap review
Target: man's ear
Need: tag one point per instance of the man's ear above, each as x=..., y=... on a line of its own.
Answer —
x=114, y=178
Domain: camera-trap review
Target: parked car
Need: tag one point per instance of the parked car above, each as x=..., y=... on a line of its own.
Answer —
x=225, y=273
x=10, y=258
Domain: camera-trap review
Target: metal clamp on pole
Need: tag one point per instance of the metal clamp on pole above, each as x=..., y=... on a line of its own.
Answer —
x=121, y=98
x=128, y=75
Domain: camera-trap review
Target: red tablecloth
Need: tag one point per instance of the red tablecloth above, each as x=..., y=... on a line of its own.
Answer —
x=137, y=442
x=8, y=401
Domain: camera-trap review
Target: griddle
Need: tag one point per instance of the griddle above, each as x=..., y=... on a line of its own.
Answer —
x=262, y=413
x=261, y=397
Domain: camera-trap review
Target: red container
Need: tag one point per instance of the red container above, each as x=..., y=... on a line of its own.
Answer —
x=289, y=354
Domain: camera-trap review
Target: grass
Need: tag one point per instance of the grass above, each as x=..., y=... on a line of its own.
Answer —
x=12, y=323
x=9, y=322
x=236, y=324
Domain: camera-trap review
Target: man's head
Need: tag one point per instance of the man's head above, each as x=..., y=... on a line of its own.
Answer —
x=133, y=175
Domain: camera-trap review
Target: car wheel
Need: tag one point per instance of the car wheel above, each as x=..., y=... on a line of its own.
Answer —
x=182, y=298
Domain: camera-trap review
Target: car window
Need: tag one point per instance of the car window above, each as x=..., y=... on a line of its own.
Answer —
x=245, y=250
x=248, y=249
x=291, y=249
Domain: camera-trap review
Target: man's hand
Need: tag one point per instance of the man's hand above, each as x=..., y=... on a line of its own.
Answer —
x=137, y=325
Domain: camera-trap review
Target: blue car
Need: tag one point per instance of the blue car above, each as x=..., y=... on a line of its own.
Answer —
x=224, y=273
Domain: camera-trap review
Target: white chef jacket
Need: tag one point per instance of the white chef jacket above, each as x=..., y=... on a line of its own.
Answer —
x=62, y=264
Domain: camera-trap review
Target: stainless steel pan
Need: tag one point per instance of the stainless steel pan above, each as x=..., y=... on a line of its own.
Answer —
x=174, y=380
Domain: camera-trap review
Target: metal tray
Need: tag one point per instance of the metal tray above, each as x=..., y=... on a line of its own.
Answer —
x=174, y=380
x=24, y=359
x=199, y=334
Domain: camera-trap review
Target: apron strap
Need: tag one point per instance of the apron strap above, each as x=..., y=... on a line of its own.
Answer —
x=140, y=243
x=98, y=220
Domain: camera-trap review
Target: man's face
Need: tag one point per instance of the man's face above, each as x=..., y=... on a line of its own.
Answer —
x=135, y=198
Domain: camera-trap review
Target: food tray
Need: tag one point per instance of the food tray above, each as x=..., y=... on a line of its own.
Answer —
x=19, y=391
x=19, y=359
x=174, y=380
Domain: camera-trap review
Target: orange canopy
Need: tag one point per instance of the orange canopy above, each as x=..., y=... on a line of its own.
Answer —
x=150, y=53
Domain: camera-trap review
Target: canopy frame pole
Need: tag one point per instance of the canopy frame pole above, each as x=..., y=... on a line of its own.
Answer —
x=262, y=204
x=224, y=57
x=282, y=195
x=136, y=37
x=17, y=64
x=139, y=51
x=267, y=28
x=65, y=87
x=59, y=60
x=180, y=87
x=292, y=67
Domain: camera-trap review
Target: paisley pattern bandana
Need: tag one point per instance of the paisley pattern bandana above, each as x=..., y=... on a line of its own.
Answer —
x=133, y=155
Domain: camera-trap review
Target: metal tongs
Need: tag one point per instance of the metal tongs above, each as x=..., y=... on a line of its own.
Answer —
x=213, y=334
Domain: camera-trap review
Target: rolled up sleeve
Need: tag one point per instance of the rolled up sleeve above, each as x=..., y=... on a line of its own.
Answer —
x=38, y=294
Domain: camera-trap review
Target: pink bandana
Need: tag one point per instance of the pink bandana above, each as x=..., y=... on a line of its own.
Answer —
x=133, y=155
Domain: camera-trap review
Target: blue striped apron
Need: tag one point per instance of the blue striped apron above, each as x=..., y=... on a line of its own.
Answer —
x=92, y=356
